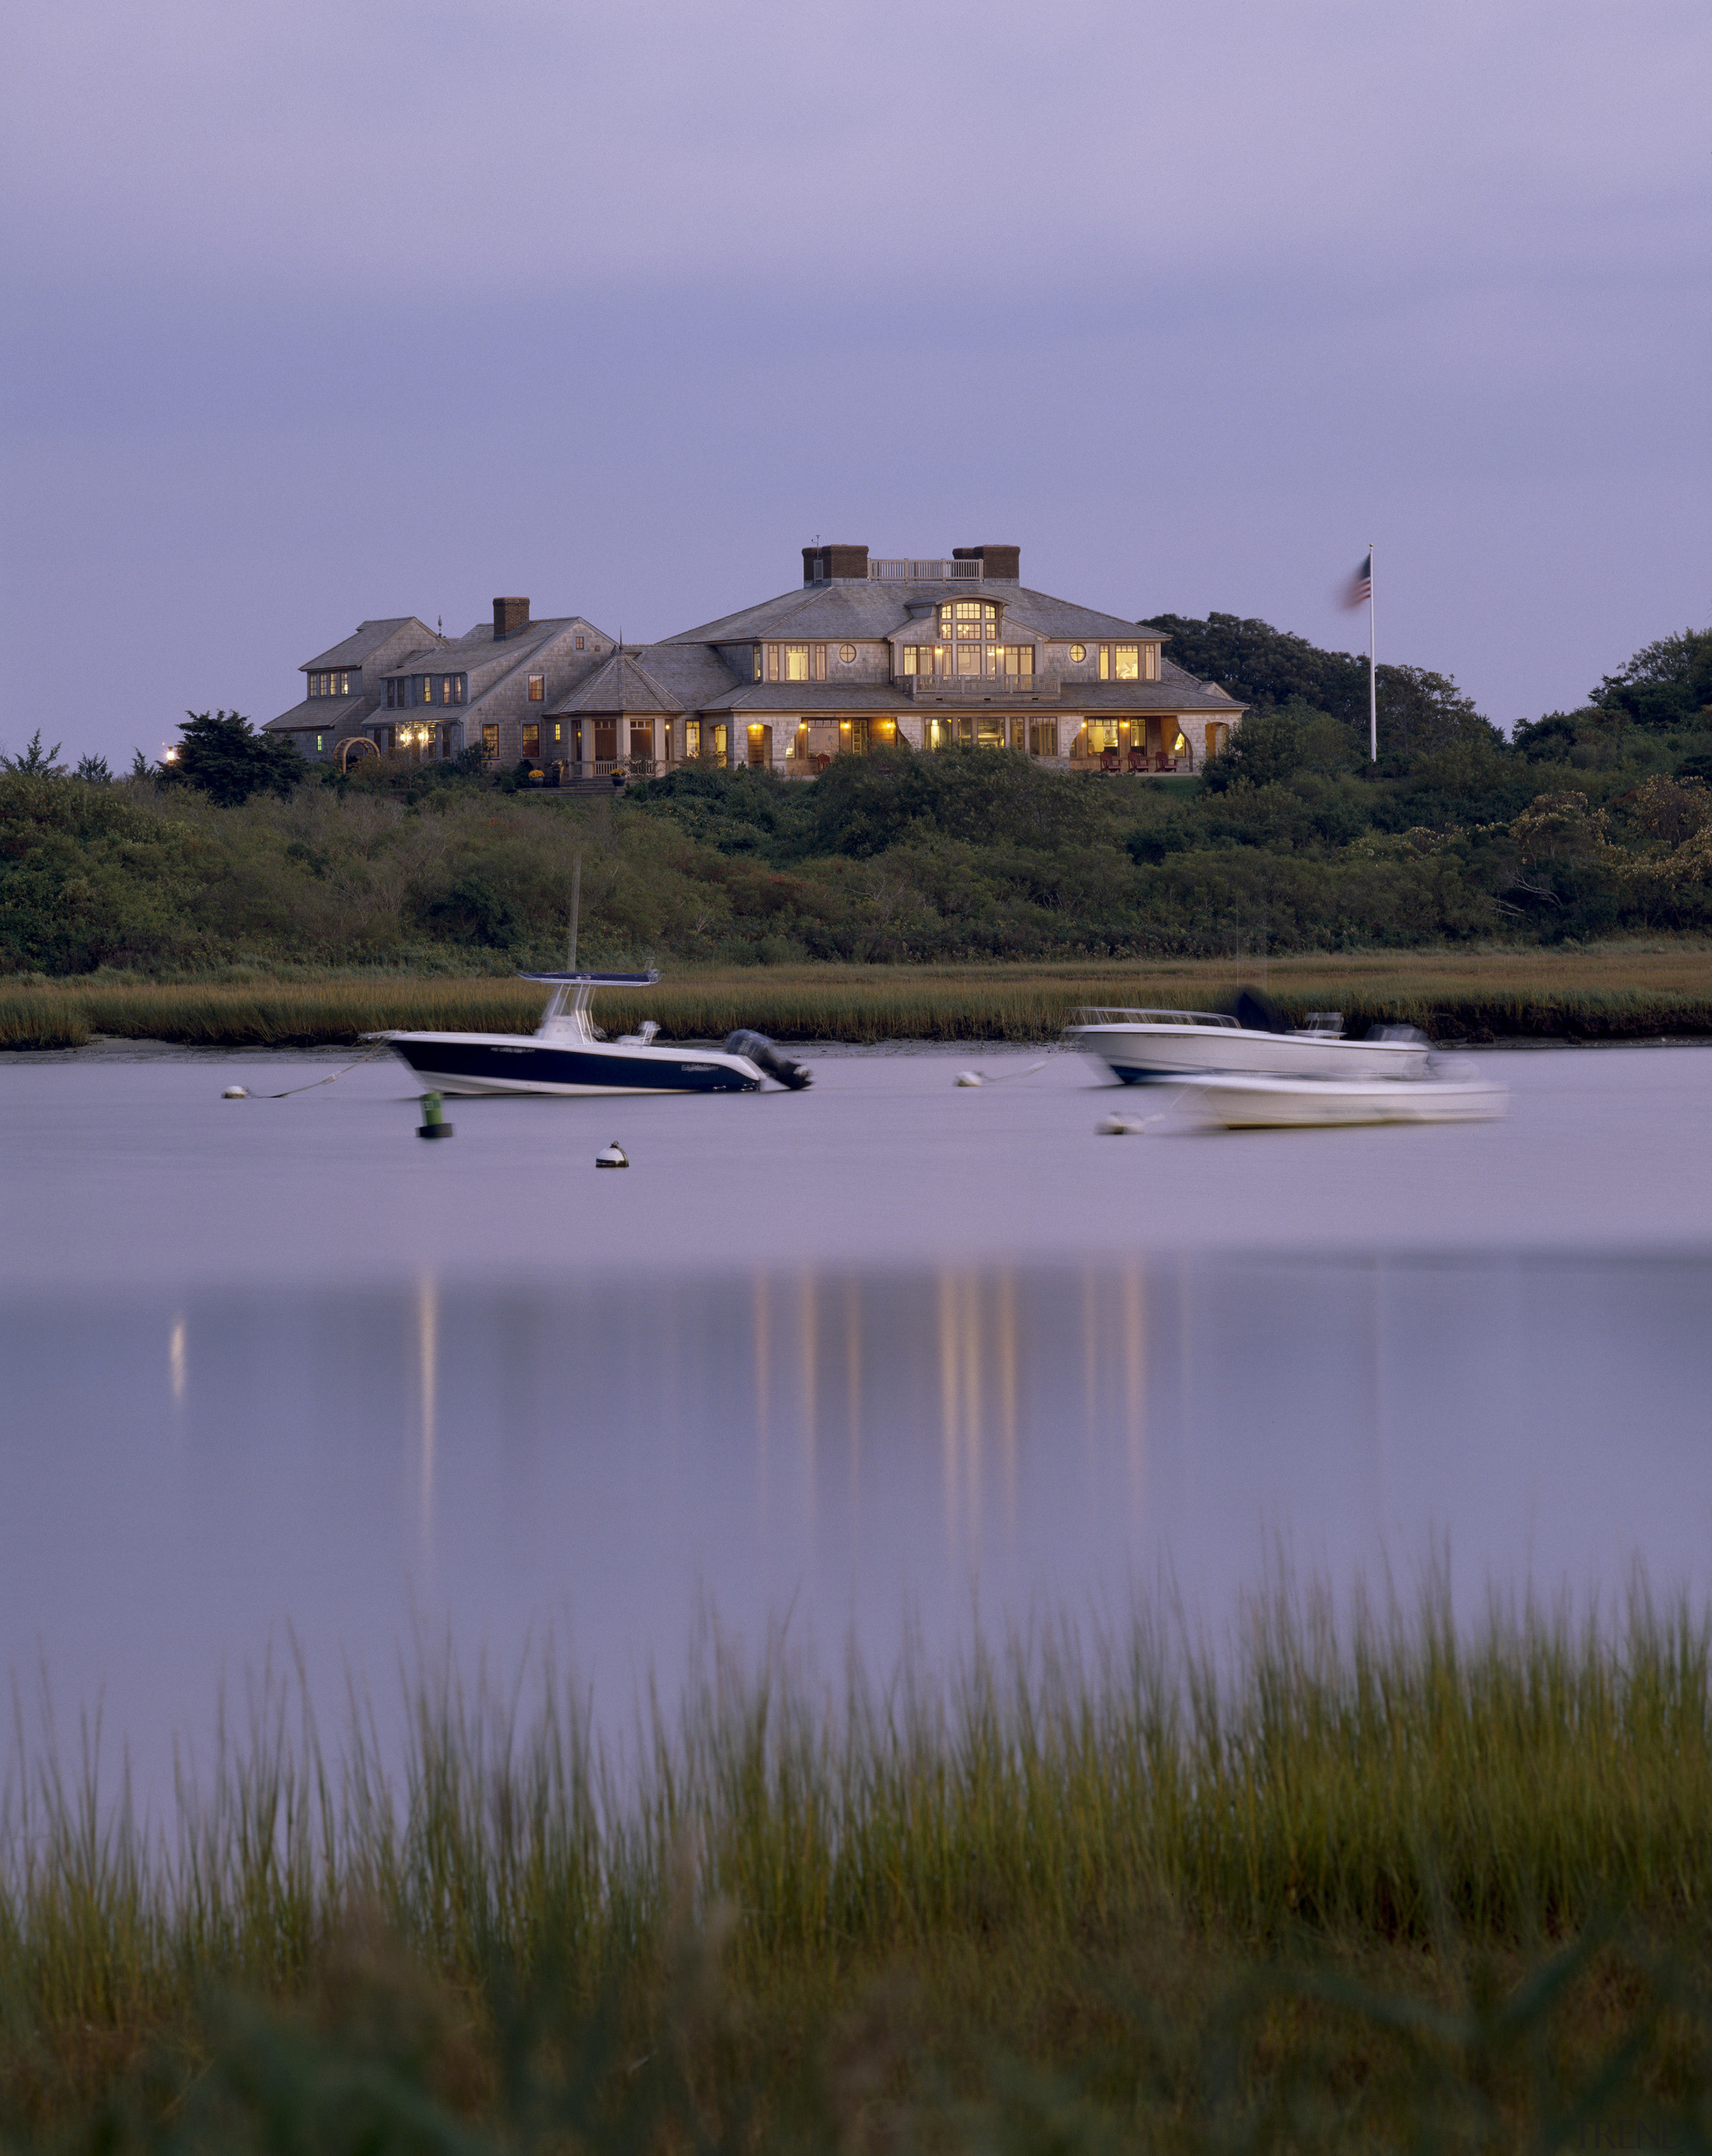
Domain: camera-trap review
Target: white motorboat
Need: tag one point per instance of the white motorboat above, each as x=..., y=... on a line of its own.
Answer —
x=1156, y=1047
x=1259, y=1102
x=566, y=1054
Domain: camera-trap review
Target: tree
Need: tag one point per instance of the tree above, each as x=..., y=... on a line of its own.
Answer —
x=42, y=762
x=1666, y=684
x=93, y=772
x=223, y=754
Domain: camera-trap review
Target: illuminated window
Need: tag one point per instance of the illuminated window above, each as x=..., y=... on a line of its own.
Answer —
x=558, y=733
x=320, y=740
x=531, y=738
x=1011, y=659
x=491, y=740
x=1150, y=662
x=427, y=688
x=912, y=659
x=847, y=652
x=692, y=728
x=537, y=687
x=344, y=685
x=796, y=662
x=1128, y=659
x=1105, y=662
x=757, y=662
x=1079, y=652
x=773, y=662
x=968, y=658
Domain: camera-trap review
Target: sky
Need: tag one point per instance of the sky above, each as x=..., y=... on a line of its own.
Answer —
x=350, y=308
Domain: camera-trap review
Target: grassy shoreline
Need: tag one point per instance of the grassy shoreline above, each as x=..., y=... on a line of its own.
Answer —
x=1067, y=1898
x=1611, y=993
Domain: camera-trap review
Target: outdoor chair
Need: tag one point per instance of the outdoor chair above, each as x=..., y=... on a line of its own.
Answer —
x=1108, y=759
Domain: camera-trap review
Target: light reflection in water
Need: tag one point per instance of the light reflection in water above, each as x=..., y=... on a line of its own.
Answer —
x=855, y=1446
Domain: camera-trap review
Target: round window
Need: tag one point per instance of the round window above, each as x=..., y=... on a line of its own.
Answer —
x=847, y=652
x=1079, y=652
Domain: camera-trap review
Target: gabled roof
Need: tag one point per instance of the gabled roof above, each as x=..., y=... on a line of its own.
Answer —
x=828, y=612
x=623, y=684
x=369, y=637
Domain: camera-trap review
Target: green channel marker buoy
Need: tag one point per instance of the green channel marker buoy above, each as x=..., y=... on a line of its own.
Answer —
x=434, y=1124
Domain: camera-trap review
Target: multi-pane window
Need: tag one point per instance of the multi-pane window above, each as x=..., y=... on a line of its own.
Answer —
x=757, y=662
x=968, y=620
x=537, y=688
x=796, y=662
x=531, y=738
x=490, y=740
x=1011, y=659
x=410, y=689
x=579, y=639
x=1127, y=661
x=332, y=684
x=1079, y=652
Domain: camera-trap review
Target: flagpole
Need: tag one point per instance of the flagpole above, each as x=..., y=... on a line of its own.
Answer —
x=1372, y=669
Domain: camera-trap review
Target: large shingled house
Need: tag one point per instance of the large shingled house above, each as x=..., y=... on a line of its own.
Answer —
x=869, y=652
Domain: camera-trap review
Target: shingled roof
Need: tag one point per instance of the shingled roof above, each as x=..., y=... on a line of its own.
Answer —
x=853, y=609
x=623, y=684
x=368, y=637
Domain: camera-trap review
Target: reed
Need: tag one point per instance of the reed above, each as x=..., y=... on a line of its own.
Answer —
x=1381, y=1854
x=1606, y=994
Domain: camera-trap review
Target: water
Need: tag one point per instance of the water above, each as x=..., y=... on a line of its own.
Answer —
x=887, y=1353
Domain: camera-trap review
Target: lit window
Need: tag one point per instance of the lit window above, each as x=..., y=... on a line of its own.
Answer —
x=968, y=609
x=1129, y=662
x=537, y=687
x=344, y=685
x=796, y=662
x=757, y=662
x=968, y=658
x=1105, y=662
x=773, y=662
x=847, y=652
x=911, y=656
x=491, y=740
x=558, y=734
x=532, y=739
x=427, y=688
x=719, y=740
x=1079, y=652
x=1150, y=662
x=457, y=688
x=320, y=740
x=692, y=728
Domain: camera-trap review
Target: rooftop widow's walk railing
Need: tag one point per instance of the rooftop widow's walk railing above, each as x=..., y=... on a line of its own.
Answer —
x=898, y=570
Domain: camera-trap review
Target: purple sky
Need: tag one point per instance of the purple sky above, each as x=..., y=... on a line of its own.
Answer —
x=330, y=310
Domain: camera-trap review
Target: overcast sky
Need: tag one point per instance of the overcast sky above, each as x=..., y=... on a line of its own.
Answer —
x=347, y=308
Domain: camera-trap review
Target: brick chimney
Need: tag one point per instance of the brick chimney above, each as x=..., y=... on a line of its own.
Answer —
x=509, y=615
x=1001, y=565
x=823, y=564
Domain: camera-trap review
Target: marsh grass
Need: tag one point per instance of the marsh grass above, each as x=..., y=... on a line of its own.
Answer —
x=1062, y=1876
x=1611, y=993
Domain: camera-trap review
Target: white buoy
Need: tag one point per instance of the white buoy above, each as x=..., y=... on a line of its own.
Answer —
x=1124, y=1126
x=236, y=1093
x=968, y=1077
x=614, y=1157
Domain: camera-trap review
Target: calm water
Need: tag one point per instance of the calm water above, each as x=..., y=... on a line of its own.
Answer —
x=889, y=1350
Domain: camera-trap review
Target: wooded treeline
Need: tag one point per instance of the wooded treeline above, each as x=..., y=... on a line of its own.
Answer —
x=1590, y=822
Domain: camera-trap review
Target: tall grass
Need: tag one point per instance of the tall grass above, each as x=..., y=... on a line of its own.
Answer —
x=1604, y=994
x=1108, y=1856
x=1372, y=1781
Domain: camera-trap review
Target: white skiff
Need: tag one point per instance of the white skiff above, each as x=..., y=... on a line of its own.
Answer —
x=1239, y=1103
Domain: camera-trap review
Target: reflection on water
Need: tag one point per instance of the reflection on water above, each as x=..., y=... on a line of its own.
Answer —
x=180, y=1477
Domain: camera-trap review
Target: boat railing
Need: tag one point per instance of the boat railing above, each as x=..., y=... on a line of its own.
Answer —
x=1111, y=1014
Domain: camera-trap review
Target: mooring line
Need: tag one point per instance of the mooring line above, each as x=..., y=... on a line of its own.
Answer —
x=368, y=1056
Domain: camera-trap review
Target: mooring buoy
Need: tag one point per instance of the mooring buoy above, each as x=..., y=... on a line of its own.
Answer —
x=1124, y=1126
x=614, y=1157
x=433, y=1123
x=236, y=1093
x=968, y=1078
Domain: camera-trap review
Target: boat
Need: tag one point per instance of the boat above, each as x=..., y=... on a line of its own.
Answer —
x=1261, y=1103
x=566, y=1054
x=1156, y=1047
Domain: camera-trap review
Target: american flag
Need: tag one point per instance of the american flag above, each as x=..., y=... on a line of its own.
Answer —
x=1359, y=588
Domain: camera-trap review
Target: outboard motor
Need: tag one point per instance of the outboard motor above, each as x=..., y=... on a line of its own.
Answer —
x=1257, y=1013
x=765, y=1057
